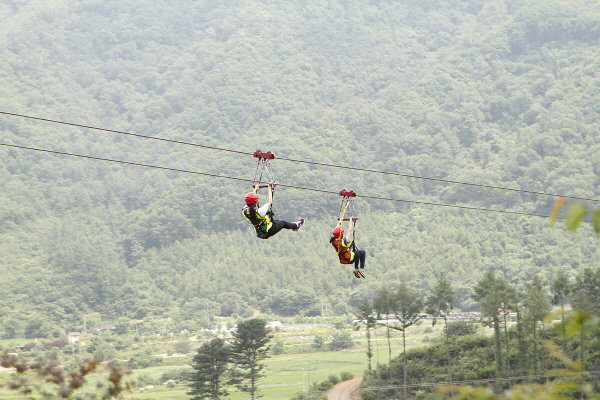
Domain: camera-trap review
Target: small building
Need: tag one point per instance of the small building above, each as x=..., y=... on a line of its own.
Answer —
x=274, y=325
x=106, y=327
x=78, y=337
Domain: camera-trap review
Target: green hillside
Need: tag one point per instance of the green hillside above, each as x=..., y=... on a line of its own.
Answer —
x=501, y=93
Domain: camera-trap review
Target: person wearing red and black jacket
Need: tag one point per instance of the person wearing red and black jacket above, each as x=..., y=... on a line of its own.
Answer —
x=347, y=251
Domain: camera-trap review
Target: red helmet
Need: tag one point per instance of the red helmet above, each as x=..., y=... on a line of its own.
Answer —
x=337, y=231
x=251, y=198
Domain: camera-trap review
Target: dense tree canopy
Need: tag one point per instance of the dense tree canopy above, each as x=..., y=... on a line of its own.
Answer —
x=495, y=92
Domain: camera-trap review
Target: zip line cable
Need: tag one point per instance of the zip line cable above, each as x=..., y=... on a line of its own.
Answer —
x=279, y=184
x=124, y=133
x=305, y=161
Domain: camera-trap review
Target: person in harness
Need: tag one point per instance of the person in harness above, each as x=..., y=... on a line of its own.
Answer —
x=262, y=217
x=347, y=251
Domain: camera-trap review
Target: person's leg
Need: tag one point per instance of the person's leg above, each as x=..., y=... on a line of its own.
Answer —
x=279, y=225
x=360, y=256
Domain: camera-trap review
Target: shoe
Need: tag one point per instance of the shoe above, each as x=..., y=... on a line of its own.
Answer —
x=356, y=273
x=299, y=223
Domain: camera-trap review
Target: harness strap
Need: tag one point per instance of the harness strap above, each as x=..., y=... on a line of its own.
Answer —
x=341, y=220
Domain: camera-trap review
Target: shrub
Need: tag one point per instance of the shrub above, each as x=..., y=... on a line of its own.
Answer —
x=333, y=379
x=318, y=342
x=145, y=379
x=346, y=376
x=461, y=328
x=178, y=375
x=182, y=347
x=277, y=347
x=340, y=341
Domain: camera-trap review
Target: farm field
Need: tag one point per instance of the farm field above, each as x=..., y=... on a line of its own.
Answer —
x=286, y=375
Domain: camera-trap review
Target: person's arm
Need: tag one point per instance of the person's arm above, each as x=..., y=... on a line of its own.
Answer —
x=349, y=232
x=270, y=197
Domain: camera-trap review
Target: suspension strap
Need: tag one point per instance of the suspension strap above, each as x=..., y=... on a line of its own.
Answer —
x=347, y=200
x=264, y=166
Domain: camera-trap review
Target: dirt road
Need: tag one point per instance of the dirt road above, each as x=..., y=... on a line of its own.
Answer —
x=347, y=390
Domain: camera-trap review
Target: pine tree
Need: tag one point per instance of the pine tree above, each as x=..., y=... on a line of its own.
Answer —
x=492, y=292
x=561, y=289
x=408, y=312
x=210, y=365
x=439, y=304
x=536, y=308
x=250, y=347
x=383, y=304
x=365, y=316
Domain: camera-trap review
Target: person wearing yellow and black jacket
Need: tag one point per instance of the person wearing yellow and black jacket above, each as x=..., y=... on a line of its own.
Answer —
x=262, y=217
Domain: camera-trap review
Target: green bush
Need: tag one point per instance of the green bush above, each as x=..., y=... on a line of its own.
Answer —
x=182, y=346
x=277, y=347
x=318, y=342
x=346, y=376
x=144, y=359
x=178, y=375
x=333, y=379
x=461, y=328
x=340, y=341
x=145, y=379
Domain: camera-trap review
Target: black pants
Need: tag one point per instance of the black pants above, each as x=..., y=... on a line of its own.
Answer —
x=359, y=256
x=279, y=225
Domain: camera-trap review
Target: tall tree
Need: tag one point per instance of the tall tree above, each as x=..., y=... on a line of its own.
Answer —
x=586, y=292
x=384, y=303
x=210, y=365
x=510, y=302
x=489, y=292
x=536, y=308
x=365, y=316
x=438, y=305
x=407, y=310
x=585, y=297
x=561, y=289
x=250, y=341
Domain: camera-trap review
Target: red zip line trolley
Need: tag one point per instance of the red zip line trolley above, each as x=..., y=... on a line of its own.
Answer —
x=263, y=167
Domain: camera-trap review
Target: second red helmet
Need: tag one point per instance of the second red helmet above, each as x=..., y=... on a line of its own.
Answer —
x=337, y=231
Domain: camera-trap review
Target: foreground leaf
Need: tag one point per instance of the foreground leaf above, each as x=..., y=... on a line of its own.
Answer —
x=556, y=209
x=596, y=222
x=575, y=215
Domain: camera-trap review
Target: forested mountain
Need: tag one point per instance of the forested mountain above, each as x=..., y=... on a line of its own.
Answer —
x=498, y=92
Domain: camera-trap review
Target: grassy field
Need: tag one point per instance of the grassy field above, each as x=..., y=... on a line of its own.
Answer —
x=292, y=373
x=287, y=374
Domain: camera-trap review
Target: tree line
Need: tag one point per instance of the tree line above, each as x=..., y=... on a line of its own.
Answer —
x=511, y=105
x=518, y=317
